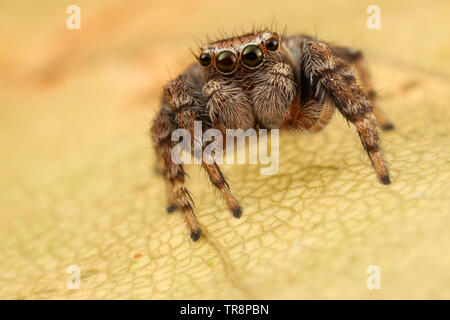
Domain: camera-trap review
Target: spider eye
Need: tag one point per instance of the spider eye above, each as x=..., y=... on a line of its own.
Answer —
x=252, y=56
x=226, y=61
x=205, y=59
x=272, y=44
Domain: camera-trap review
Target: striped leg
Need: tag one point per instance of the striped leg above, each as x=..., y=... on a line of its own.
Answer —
x=356, y=57
x=181, y=112
x=185, y=119
x=161, y=170
x=181, y=195
x=219, y=181
x=329, y=78
x=177, y=194
x=324, y=118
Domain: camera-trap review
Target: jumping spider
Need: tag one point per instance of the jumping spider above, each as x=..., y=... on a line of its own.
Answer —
x=260, y=80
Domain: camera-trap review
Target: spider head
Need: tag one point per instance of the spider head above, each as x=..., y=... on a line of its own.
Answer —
x=254, y=73
x=243, y=54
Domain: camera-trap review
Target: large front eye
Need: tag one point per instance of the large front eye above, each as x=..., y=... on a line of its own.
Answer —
x=272, y=44
x=226, y=61
x=252, y=56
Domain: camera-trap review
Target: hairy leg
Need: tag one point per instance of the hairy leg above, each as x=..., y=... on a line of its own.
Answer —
x=220, y=183
x=356, y=57
x=311, y=116
x=180, y=192
x=171, y=201
x=162, y=170
x=325, y=118
x=177, y=191
x=182, y=111
x=329, y=77
x=185, y=119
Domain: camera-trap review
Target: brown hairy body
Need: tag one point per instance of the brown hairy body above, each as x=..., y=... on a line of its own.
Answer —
x=259, y=80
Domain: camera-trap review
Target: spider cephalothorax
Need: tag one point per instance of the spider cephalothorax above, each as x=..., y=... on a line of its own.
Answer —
x=249, y=80
x=259, y=80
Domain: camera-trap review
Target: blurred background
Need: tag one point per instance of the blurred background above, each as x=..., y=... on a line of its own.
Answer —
x=77, y=185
